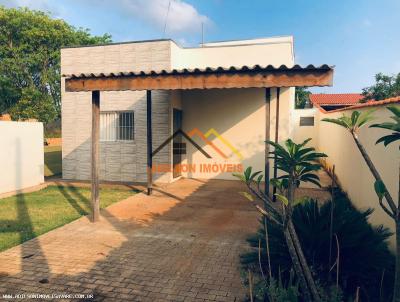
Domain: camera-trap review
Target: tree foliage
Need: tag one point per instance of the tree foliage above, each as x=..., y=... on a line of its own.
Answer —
x=392, y=126
x=386, y=86
x=354, y=122
x=302, y=97
x=297, y=161
x=30, y=43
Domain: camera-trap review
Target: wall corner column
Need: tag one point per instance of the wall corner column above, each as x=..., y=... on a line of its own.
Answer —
x=267, y=138
x=95, y=200
x=149, y=145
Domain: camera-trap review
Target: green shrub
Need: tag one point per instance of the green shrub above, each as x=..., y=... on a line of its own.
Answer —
x=364, y=253
x=53, y=129
x=275, y=290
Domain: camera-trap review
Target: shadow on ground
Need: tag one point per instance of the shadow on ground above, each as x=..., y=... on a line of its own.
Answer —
x=181, y=244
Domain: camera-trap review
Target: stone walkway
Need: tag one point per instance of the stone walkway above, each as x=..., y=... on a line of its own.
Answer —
x=181, y=244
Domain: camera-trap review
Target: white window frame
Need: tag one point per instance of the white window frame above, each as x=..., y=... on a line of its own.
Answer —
x=110, y=127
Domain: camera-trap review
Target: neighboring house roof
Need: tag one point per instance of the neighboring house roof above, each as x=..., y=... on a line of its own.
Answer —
x=394, y=100
x=5, y=117
x=335, y=99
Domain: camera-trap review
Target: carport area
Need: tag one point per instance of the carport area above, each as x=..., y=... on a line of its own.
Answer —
x=182, y=243
x=266, y=77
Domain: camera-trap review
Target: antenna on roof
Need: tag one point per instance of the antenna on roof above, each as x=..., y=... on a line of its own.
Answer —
x=166, y=18
x=202, y=34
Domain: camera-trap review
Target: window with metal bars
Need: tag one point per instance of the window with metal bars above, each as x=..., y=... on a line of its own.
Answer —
x=116, y=126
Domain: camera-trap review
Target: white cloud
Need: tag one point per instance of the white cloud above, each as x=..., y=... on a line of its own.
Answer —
x=182, y=17
x=42, y=5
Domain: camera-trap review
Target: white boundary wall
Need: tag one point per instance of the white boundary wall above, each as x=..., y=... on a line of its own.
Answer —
x=21, y=155
x=351, y=170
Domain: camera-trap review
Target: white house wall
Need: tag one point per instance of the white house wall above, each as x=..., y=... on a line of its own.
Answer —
x=21, y=155
x=301, y=133
x=119, y=161
x=126, y=161
x=274, y=51
x=238, y=115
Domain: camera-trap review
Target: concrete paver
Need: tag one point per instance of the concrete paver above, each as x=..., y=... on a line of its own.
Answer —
x=180, y=244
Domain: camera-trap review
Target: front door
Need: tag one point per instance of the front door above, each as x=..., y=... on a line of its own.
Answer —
x=178, y=148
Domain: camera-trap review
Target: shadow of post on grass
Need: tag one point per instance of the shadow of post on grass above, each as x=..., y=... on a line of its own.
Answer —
x=32, y=250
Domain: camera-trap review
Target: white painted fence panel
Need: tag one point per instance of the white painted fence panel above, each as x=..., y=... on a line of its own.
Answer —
x=21, y=155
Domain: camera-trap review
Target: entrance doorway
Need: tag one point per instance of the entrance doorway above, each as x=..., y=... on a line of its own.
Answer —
x=178, y=147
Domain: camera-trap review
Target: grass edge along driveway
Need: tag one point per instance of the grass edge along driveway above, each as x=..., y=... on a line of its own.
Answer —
x=26, y=216
x=52, y=161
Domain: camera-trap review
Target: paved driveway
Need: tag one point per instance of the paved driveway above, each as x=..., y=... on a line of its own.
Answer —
x=181, y=244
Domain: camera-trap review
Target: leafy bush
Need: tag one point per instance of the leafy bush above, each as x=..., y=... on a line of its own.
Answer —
x=53, y=129
x=364, y=253
x=275, y=290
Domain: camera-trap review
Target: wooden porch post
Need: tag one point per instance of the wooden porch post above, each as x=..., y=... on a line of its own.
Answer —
x=278, y=92
x=149, y=145
x=267, y=138
x=95, y=215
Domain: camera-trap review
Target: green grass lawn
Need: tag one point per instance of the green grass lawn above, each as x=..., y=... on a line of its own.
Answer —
x=25, y=216
x=52, y=161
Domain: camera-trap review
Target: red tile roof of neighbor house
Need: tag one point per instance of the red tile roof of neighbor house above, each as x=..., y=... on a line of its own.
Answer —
x=384, y=102
x=333, y=99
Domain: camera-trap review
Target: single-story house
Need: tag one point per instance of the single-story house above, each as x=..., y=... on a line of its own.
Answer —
x=156, y=111
x=334, y=101
x=152, y=110
x=228, y=124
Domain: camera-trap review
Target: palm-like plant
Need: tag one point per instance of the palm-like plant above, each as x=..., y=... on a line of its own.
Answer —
x=392, y=126
x=364, y=251
x=299, y=164
x=353, y=124
x=380, y=187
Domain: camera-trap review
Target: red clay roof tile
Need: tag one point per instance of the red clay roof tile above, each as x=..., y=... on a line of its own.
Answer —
x=335, y=99
x=393, y=100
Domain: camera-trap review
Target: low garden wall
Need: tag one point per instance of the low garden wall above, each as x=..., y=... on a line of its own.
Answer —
x=350, y=168
x=21, y=155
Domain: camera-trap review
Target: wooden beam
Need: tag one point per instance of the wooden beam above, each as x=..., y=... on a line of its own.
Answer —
x=278, y=92
x=95, y=215
x=149, y=145
x=261, y=79
x=267, y=138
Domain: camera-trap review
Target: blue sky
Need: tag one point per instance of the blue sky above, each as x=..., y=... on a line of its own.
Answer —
x=359, y=37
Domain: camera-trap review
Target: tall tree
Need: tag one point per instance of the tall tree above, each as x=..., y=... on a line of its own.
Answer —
x=30, y=43
x=302, y=97
x=385, y=86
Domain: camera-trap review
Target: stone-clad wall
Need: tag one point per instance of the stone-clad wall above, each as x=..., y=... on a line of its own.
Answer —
x=119, y=161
